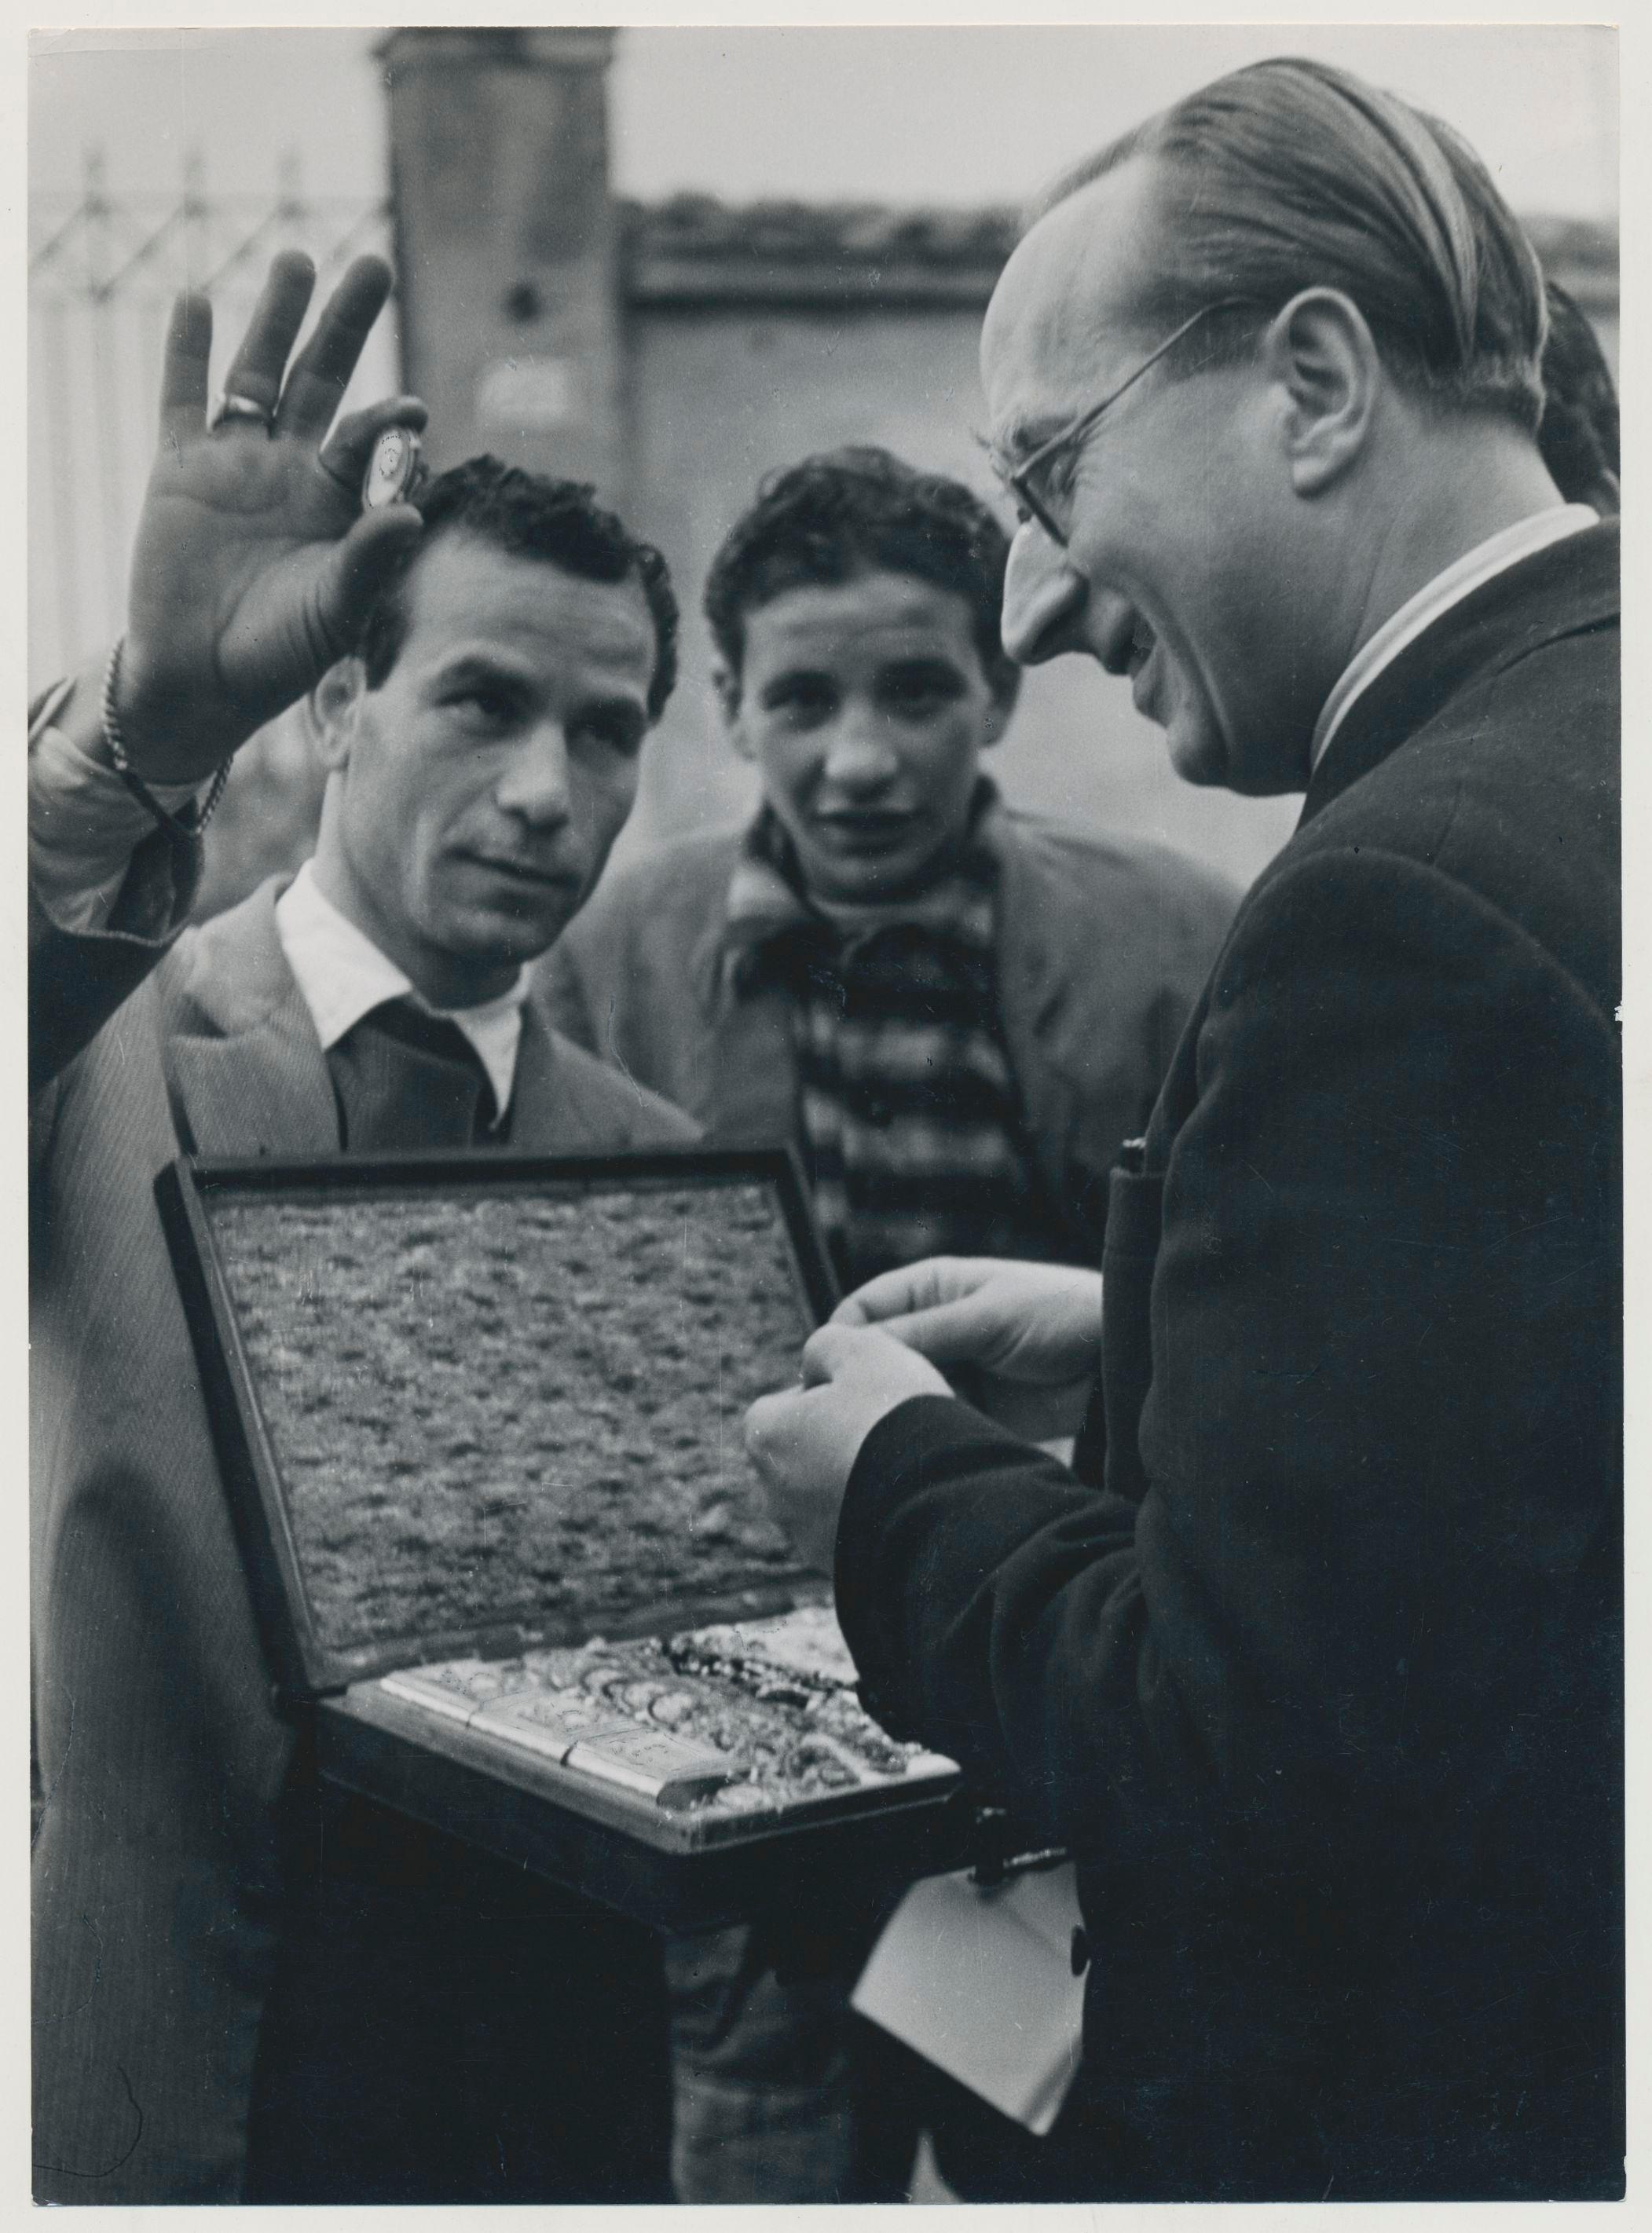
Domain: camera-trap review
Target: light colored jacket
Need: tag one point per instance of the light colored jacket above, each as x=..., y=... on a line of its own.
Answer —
x=1103, y=947
x=162, y=1758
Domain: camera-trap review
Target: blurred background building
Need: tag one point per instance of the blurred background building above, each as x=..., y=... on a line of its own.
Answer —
x=671, y=345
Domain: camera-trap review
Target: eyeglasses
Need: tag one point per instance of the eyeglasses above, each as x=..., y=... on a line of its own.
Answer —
x=1019, y=479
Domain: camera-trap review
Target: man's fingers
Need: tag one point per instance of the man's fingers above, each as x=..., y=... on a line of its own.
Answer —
x=821, y=1350
x=262, y=358
x=185, y=368
x=949, y=1333
x=765, y=1424
x=322, y=370
x=929, y=1306
x=894, y=1294
x=355, y=569
x=832, y=1348
x=888, y=1296
x=345, y=453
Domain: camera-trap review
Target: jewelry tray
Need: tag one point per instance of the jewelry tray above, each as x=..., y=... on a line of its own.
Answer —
x=481, y=1414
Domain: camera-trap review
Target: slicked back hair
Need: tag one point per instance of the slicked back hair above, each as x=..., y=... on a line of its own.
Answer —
x=855, y=510
x=526, y=516
x=1578, y=436
x=1288, y=174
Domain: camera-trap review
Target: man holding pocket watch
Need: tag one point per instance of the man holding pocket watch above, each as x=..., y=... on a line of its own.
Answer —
x=245, y=1989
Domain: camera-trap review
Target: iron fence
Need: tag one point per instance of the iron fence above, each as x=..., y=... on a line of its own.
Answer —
x=104, y=270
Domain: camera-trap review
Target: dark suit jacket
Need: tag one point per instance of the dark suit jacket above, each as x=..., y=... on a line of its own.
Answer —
x=1324, y=1682
x=156, y=1874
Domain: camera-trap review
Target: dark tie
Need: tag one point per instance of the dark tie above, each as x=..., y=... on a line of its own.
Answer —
x=404, y=1078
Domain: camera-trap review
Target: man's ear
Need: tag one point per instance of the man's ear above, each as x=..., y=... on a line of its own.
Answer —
x=334, y=705
x=725, y=684
x=1322, y=358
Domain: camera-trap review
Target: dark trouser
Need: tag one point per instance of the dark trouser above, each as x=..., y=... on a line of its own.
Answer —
x=784, y=2094
x=774, y=2100
x=445, y=2029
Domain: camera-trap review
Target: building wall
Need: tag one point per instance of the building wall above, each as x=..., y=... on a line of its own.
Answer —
x=721, y=395
x=674, y=352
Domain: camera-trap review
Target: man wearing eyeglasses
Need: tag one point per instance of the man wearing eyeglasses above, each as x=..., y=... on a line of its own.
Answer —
x=1314, y=1657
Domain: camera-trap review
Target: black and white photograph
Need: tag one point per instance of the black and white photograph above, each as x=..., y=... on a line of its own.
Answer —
x=827, y=1354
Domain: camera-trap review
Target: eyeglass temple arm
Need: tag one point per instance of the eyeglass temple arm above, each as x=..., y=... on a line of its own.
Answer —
x=1083, y=425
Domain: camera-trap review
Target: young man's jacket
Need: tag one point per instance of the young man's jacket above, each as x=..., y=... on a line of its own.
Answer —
x=1324, y=1684
x=1101, y=946
x=162, y=1759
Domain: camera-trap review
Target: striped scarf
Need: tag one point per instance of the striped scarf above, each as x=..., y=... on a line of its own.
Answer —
x=909, y=1117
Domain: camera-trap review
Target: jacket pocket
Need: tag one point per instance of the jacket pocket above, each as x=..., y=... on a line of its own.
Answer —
x=1134, y=1212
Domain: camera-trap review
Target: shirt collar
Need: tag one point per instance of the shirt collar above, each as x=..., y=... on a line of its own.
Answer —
x=1459, y=580
x=342, y=974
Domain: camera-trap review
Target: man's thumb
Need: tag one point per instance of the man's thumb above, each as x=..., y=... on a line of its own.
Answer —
x=833, y=1348
x=356, y=569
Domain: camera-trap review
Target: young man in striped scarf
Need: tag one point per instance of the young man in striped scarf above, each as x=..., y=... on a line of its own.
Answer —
x=957, y=1011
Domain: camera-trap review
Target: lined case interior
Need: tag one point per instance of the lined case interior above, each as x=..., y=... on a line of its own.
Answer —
x=522, y=1403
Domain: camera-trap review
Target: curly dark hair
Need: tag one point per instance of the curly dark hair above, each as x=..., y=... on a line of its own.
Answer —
x=529, y=516
x=1578, y=434
x=847, y=512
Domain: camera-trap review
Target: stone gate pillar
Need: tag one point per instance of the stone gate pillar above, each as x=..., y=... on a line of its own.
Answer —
x=506, y=246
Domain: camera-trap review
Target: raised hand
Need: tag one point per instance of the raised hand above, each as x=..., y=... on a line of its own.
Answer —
x=254, y=560
x=1021, y=1342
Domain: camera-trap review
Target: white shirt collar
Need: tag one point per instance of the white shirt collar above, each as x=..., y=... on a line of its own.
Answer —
x=1459, y=580
x=341, y=974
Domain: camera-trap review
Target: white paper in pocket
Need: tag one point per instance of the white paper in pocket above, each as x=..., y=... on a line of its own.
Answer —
x=980, y=1984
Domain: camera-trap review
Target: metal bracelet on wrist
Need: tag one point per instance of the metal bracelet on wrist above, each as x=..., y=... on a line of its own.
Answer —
x=176, y=826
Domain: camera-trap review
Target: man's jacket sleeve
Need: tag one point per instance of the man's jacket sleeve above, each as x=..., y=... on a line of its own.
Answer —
x=1369, y=1496
x=78, y=979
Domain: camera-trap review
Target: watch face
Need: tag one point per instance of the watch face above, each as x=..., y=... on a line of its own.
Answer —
x=395, y=470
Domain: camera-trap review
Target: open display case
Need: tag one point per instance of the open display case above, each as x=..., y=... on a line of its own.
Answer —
x=479, y=1421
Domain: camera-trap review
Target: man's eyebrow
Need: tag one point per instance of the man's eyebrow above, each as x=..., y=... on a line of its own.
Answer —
x=919, y=662
x=480, y=667
x=786, y=678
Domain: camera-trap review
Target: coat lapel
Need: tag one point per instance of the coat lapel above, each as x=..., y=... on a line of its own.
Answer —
x=540, y=1125
x=244, y=1066
x=1570, y=587
x=1032, y=988
x=753, y=1092
x=748, y=1091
